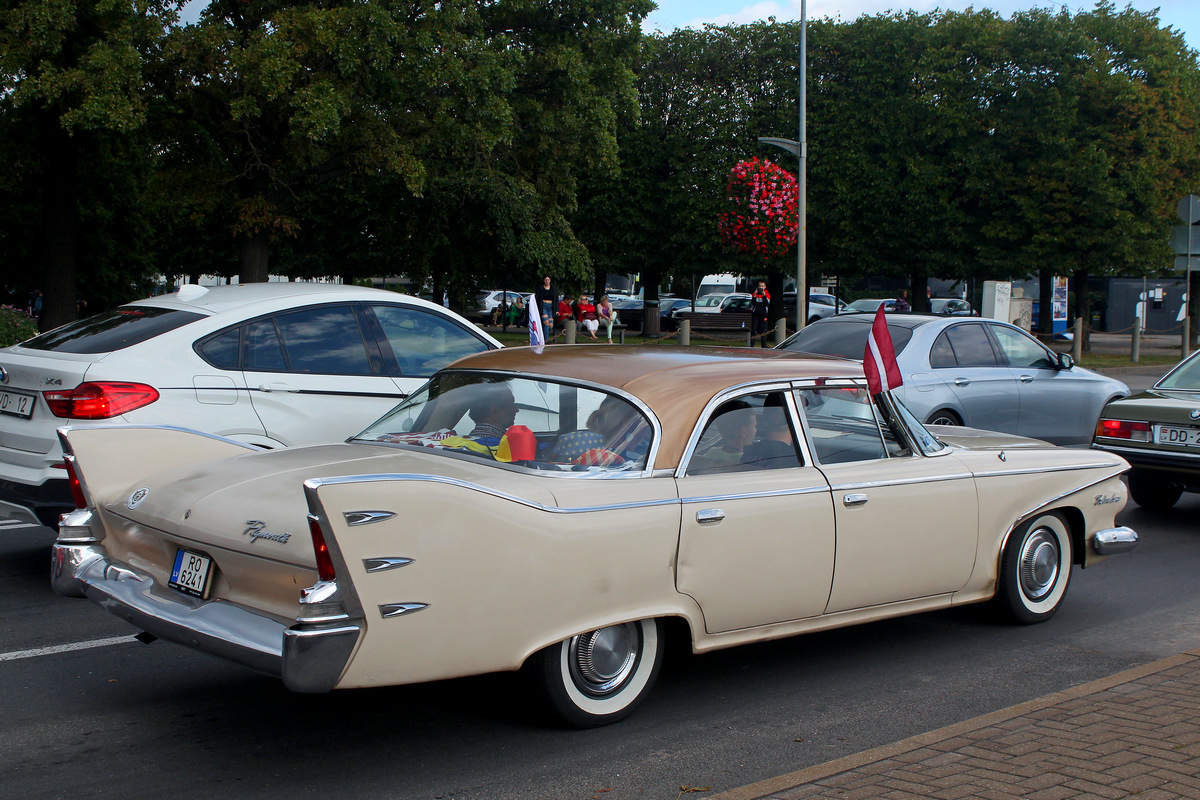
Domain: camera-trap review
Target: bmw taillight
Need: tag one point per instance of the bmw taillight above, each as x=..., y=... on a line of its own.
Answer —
x=1123, y=429
x=99, y=400
x=325, y=569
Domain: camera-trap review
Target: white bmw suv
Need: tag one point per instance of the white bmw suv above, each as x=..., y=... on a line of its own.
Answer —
x=270, y=364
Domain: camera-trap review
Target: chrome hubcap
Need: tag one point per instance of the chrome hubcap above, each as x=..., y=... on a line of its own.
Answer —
x=601, y=661
x=1039, y=564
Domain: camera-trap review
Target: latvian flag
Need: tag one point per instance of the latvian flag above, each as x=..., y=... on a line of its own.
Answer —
x=879, y=359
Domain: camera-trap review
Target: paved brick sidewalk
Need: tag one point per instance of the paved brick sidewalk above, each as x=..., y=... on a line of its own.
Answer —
x=1136, y=734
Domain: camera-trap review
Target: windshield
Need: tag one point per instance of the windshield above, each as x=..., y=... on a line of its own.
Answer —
x=1185, y=376
x=531, y=423
x=845, y=339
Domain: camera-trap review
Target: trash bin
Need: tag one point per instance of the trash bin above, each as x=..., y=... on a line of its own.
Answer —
x=651, y=321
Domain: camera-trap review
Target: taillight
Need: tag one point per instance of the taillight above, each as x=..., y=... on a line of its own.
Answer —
x=1123, y=429
x=76, y=486
x=100, y=400
x=324, y=563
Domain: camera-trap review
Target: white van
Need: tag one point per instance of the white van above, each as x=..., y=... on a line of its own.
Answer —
x=725, y=283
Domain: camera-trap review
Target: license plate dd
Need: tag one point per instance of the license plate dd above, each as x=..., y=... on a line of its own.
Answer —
x=192, y=573
x=1184, y=436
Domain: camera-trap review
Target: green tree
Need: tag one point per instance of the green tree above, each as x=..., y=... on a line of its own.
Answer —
x=72, y=106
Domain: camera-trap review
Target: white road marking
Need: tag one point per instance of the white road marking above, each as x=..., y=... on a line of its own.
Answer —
x=66, y=648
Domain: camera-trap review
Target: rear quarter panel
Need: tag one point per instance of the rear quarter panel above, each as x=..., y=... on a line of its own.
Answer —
x=502, y=576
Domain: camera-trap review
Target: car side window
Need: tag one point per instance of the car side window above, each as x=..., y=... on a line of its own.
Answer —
x=971, y=346
x=423, y=341
x=942, y=354
x=222, y=349
x=263, y=350
x=753, y=432
x=841, y=422
x=1022, y=350
x=325, y=340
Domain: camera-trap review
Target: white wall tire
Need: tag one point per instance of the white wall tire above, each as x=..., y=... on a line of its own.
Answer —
x=1035, y=569
x=600, y=677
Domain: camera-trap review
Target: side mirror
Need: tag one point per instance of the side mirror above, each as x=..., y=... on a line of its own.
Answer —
x=1065, y=361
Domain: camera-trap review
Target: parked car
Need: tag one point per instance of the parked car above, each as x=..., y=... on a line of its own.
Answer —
x=554, y=511
x=486, y=303
x=950, y=307
x=1158, y=433
x=715, y=303
x=269, y=364
x=977, y=372
x=872, y=304
x=819, y=307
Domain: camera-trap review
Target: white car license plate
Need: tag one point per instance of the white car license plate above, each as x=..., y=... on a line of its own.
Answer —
x=16, y=403
x=1165, y=434
x=192, y=573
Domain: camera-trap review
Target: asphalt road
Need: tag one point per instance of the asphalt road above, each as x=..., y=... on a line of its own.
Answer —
x=160, y=721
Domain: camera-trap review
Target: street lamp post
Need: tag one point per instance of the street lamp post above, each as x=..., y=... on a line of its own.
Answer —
x=800, y=149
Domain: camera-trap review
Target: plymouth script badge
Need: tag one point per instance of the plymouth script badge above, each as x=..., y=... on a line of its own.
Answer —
x=137, y=497
x=255, y=529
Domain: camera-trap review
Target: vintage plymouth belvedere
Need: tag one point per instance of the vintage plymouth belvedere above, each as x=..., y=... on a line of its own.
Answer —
x=555, y=510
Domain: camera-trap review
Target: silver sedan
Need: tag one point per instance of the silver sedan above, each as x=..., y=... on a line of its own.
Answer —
x=981, y=373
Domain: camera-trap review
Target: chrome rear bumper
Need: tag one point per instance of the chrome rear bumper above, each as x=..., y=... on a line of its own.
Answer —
x=1114, y=540
x=307, y=657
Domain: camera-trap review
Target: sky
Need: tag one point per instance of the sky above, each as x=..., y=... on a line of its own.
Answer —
x=1182, y=15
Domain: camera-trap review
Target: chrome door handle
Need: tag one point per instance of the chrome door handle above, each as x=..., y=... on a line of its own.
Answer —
x=710, y=515
x=277, y=387
x=1026, y=379
x=856, y=499
x=962, y=382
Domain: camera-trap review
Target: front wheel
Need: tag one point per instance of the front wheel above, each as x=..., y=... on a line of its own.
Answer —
x=943, y=417
x=1035, y=570
x=600, y=677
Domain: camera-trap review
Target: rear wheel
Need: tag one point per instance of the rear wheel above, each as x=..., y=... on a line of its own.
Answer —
x=1035, y=570
x=1152, y=493
x=943, y=417
x=600, y=677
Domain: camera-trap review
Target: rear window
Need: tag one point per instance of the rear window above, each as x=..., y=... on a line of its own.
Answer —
x=845, y=339
x=113, y=330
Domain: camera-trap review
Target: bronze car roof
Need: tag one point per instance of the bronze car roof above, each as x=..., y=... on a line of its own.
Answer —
x=674, y=382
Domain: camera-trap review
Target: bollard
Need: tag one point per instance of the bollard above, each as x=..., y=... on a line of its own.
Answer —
x=569, y=329
x=1077, y=340
x=1187, y=334
x=780, y=330
x=1137, y=339
x=685, y=331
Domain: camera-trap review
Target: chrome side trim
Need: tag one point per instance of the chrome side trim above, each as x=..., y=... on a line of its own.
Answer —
x=366, y=517
x=1039, y=470
x=390, y=610
x=176, y=428
x=385, y=563
x=954, y=476
x=314, y=484
x=1029, y=512
x=1115, y=540
x=716, y=498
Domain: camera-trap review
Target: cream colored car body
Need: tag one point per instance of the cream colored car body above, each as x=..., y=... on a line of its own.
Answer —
x=502, y=562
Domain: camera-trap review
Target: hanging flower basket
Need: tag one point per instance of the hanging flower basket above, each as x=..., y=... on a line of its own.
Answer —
x=764, y=201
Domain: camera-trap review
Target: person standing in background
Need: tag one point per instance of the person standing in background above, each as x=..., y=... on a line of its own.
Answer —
x=760, y=310
x=543, y=300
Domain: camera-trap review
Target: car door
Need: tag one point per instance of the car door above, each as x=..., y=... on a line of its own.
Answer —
x=313, y=376
x=964, y=359
x=756, y=542
x=907, y=524
x=1043, y=387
